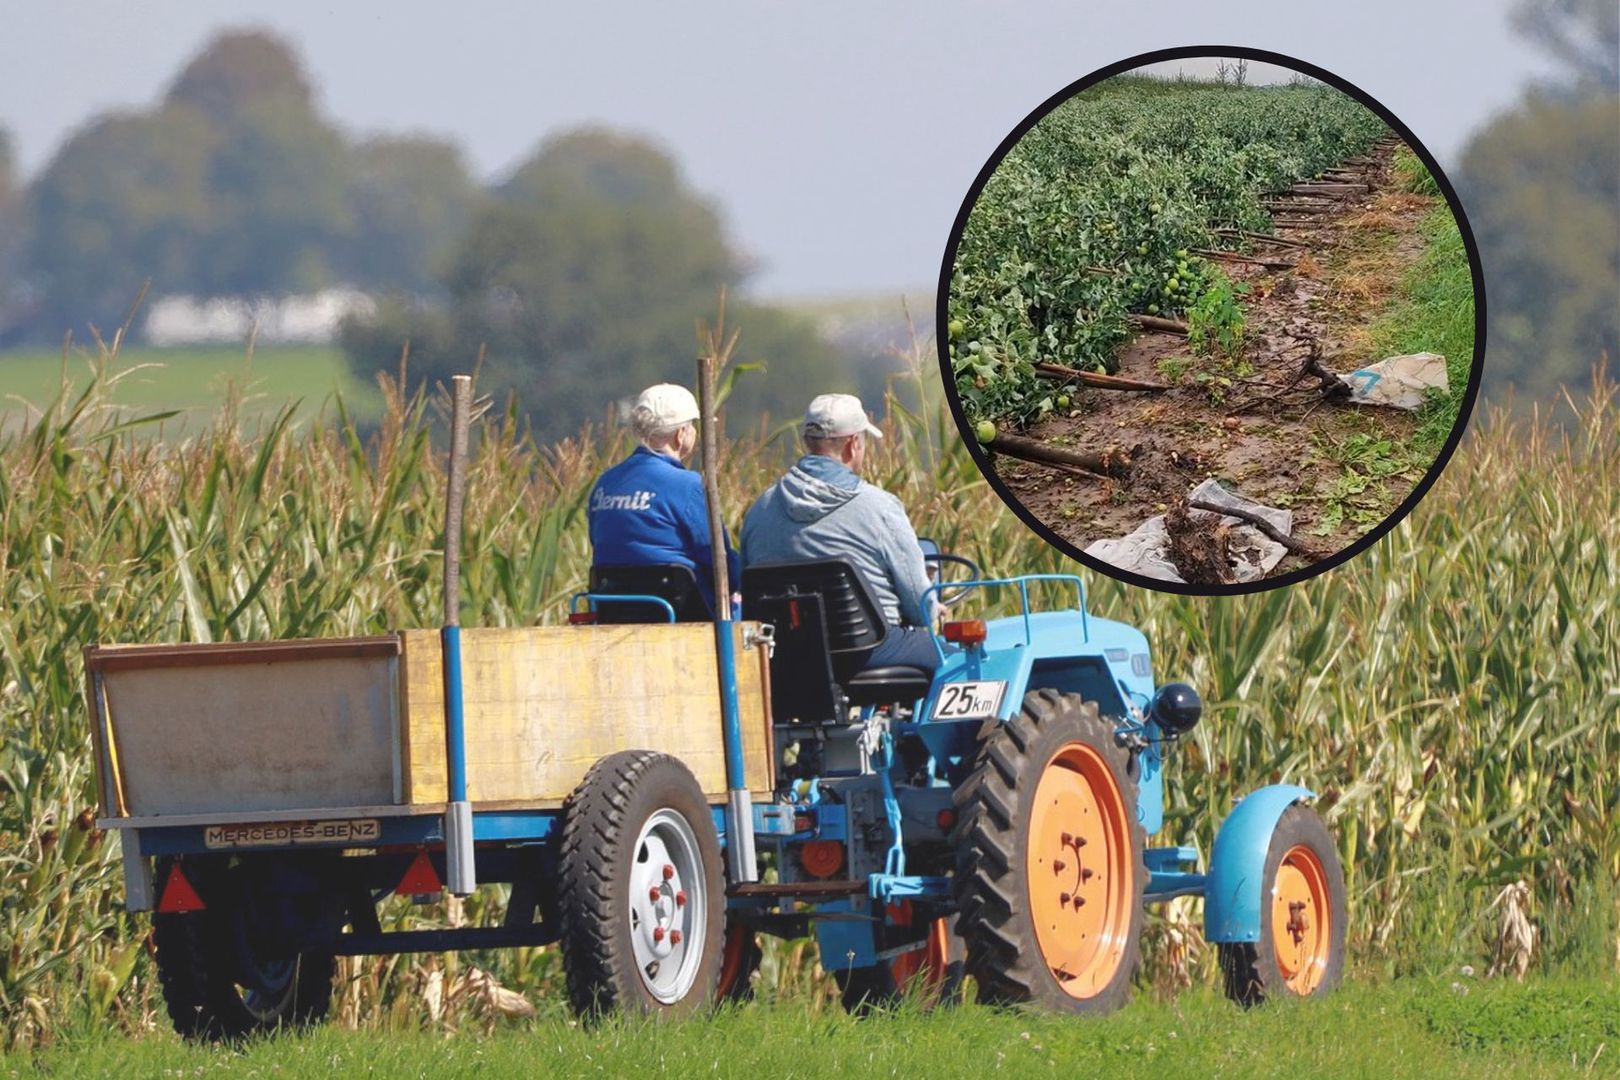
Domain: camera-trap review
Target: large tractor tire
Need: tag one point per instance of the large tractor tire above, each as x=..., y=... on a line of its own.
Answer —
x=642, y=889
x=1049, y=869
x=223, y=979
x=1302, y=917
x=933, y=971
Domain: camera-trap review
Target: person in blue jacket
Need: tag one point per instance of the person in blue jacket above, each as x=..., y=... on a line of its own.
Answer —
x=650, y=509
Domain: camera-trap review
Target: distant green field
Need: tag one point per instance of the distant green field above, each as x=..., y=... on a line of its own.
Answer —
x=1421, y=1029
x=196, y=381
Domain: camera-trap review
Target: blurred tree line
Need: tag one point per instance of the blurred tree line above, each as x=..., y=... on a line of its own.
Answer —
x=581, y=276
x=1541, y=187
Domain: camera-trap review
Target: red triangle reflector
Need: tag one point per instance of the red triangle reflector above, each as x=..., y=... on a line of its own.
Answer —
x=419, y=877
x=178, y=895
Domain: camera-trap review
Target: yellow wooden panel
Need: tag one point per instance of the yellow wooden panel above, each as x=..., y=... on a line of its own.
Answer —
x=542, y=704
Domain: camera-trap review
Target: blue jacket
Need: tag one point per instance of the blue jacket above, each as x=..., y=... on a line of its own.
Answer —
x=821, y=510
x=649, y=510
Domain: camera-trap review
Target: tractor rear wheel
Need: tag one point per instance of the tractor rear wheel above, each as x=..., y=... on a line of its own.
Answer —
x=1049, y=870
x=642, y=891
x=738, y=962
x=1302, y=917
x=933, y=970
x=224, y=978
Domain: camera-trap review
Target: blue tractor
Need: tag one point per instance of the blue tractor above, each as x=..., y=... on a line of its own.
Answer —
x=993, y=820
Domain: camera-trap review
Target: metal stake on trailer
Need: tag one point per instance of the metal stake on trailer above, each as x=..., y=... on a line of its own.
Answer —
x=458, y=827
x=740, y=858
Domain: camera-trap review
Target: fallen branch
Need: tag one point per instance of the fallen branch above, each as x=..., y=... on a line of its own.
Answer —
x=1114, y=461
x=1329, y=189
x=1092, y=378
x=1298, y=548
x=1153, y=322
x=1232, y=256
x=1266, y=237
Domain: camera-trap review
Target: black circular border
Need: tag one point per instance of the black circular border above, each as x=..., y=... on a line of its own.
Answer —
x=1373, y=535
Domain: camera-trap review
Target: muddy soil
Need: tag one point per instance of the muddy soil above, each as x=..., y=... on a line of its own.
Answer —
x=1340, y=468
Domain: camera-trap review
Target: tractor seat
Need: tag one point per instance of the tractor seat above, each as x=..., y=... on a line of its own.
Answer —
x=885, y=685
x=672, y=582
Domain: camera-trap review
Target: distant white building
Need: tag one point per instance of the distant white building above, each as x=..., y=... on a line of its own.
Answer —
x=309, y=319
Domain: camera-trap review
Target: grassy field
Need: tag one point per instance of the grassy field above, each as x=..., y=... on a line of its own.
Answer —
x=196, y=382
x=1448, y=1030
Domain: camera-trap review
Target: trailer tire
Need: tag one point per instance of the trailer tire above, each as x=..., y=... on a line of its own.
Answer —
x=200, y=957
x=639, y=824
x=1055, y=766
x=1294, y=957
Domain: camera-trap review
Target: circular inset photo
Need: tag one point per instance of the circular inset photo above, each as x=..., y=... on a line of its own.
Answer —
x=1211, y=322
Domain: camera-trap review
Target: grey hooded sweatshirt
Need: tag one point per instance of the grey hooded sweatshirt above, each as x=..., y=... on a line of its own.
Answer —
x=821, y=510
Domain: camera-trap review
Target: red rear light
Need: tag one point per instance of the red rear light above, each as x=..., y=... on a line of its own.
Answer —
x=420, y=878
x=968, y=632
x=582, y=618
x=178, y=895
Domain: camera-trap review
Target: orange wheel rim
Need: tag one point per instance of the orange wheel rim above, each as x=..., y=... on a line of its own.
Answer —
x=1301, y=920
x=1081, y=870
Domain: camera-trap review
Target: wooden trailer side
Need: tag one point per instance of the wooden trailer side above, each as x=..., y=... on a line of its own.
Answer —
x=543, y=704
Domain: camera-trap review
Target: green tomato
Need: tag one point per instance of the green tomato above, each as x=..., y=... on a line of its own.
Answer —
x=984, y=431
x=956, y=329
x=1141, y=249
x=1063, y=401
x=1155, y=208
x=1153, y=309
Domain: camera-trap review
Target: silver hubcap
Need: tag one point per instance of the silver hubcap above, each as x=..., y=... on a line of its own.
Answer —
x=668, y=906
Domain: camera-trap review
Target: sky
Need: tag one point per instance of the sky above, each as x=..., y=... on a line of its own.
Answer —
x=837, y=137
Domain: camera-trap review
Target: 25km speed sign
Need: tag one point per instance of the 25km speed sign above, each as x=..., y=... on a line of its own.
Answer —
x=969, y=700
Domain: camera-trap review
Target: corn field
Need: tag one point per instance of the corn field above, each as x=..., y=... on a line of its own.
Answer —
x=1453, y=694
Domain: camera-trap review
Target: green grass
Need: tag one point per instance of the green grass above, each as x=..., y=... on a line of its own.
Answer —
x=195, y=381
x=1421, y=1028
x=1435, y=313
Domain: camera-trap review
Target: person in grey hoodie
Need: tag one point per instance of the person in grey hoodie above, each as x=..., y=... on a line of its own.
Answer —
x=821, y=509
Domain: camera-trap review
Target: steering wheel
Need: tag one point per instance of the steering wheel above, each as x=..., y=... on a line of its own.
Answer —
x=940, y=560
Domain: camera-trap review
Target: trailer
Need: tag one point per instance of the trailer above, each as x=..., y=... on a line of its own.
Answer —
x=656, y=794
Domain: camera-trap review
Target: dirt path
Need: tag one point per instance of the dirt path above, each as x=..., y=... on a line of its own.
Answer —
x=1339, y=468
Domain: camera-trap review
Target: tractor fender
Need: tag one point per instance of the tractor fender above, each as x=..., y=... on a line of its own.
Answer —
x=1232, y=900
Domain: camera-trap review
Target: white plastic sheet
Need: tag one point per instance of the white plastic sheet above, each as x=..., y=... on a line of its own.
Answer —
x=1402, y=382
x=1146, y=551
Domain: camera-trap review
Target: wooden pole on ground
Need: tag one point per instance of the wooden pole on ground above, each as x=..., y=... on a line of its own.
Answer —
x=1115, y=461
x=1102, y=382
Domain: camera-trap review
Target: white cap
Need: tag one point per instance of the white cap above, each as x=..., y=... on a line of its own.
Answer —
x=662, y=409
x=832, y=416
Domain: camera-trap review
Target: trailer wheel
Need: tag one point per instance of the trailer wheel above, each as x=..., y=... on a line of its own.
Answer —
x=642, y=889
x=224, y=979
x=1302, y=918
x=933, y=971
x=1049, y=872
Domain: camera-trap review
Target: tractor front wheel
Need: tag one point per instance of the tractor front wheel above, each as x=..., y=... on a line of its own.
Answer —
x=1302, y=917
x=1049, y=870
x=641, y=893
